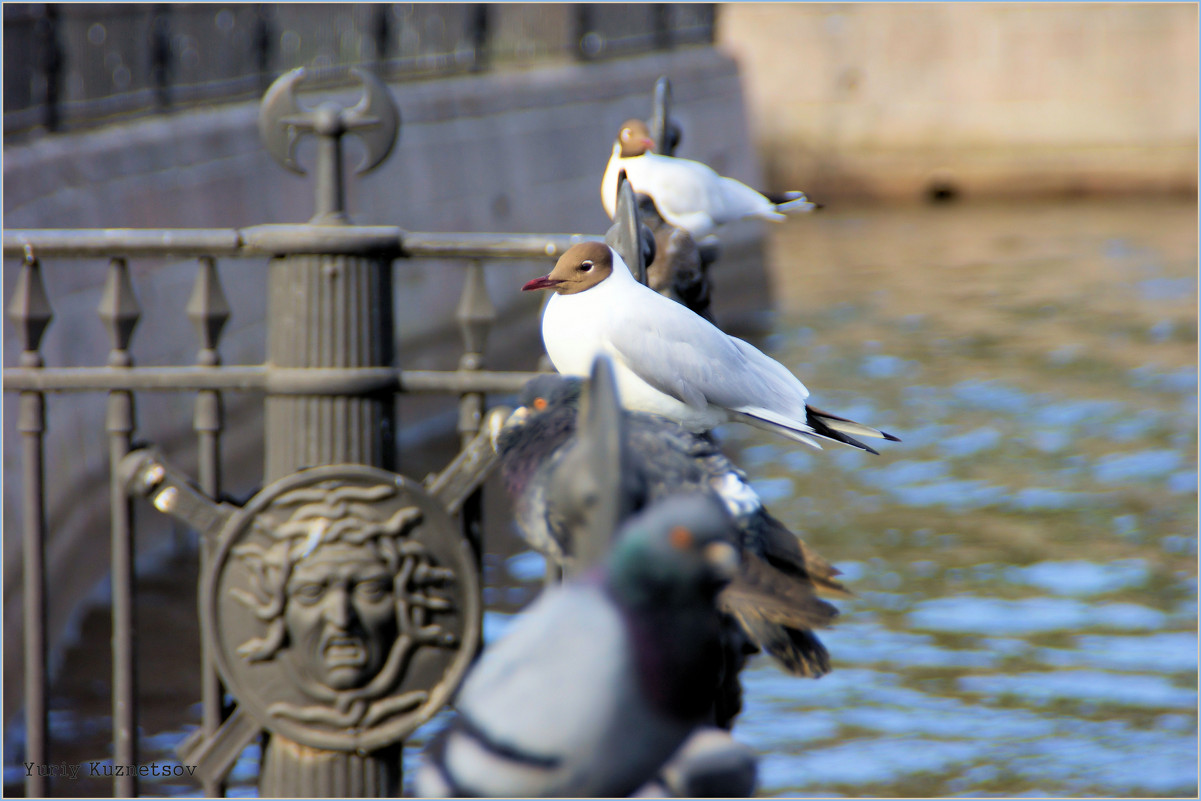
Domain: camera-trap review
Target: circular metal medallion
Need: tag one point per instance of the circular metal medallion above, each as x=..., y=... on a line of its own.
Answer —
x=344, y=606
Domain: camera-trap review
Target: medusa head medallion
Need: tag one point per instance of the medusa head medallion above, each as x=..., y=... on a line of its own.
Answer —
x=344, y=603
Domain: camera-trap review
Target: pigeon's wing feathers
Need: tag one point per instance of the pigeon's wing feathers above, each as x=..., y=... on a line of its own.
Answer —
x=570, y=631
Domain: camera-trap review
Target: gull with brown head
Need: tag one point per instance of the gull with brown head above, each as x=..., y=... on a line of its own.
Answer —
x=669, y=360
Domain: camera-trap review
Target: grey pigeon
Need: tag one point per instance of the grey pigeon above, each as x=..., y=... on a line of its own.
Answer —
x=604, y=676
x=774, y=595
x=711, y=764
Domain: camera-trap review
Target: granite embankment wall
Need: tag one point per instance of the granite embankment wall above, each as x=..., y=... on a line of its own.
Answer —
x=506, y=152
x=894, y=100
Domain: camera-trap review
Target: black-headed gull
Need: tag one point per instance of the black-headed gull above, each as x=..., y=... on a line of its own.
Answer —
x=669, y=360
x=773, y=597
x=603, y=677
x=689, y=194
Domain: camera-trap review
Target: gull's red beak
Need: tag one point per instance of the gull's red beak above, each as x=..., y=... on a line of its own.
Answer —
x=545, y=282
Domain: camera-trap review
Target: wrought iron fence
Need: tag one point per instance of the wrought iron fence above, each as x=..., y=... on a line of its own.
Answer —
x=31, y=312
x=329, y=385
x=70, y=65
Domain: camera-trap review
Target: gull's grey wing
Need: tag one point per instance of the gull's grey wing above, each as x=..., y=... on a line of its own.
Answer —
x=683, y=355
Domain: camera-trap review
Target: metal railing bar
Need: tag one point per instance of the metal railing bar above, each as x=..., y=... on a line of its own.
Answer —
x=270, y=240
x=119, y=311
x=31, y=424
x=125, y=742
x=30, y=312
x=209, y=311
x=496, y=246
x=123, y=242
x=259, y=378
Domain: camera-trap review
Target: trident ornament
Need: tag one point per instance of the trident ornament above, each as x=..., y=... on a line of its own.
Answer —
x=282, y=121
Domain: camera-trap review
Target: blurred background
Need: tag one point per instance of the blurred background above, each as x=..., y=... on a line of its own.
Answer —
x=1004, y=275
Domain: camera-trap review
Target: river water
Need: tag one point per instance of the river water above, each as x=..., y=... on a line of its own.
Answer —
x=1024, y=562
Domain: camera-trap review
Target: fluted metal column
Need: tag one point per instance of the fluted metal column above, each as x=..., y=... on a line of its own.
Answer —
x=328, y=310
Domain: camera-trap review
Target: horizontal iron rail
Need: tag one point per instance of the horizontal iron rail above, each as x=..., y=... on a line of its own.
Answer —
x=270, y=240
x=260, y=378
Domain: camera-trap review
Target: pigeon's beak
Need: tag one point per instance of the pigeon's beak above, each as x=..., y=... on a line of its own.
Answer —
x=723, y=558
x=545, y=282
x=519, y=416
x=649, y=144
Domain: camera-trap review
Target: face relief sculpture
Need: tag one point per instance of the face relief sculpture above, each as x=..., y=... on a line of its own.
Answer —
x=344, y=604
x=340, y=616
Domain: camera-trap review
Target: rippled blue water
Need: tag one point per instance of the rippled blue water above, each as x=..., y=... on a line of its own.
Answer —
x=1025, y=561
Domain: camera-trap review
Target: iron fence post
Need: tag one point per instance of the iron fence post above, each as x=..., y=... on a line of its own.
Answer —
x=208, y=310
x=328, y=310
x=50, y=63
x=120, y=312
x=475, y=315
x=160, y=53
x=30, y=313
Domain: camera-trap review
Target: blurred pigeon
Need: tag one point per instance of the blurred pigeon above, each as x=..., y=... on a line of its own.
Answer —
x=773, y=597
x=710, y=764
x=603, y=677
x=669, y=360
x=689, y=194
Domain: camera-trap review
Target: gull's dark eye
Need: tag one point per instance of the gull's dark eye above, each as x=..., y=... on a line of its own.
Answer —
x=585, y=266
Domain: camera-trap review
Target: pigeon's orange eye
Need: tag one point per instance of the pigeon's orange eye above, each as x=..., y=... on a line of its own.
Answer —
x=539, y=404
x=680, y=538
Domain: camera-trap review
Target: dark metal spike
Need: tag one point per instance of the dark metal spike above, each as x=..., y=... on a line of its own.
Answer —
x=602, y=436
x=625, y=235
x=590, y=490
x=119, y=309
x=207, y=307
x=664, y=130
x=29, y=310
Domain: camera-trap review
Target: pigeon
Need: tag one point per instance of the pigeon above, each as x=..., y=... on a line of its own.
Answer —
x=689, y=194
x=773, y=597
x=711, y=764
x=603, y=677
x=671, y=361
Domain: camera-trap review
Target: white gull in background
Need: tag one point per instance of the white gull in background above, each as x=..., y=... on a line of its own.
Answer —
x=688, y=194
x=670, y=361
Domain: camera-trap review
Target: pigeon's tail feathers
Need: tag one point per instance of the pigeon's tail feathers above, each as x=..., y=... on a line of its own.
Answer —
x=791, y=555
x=798, y=651
x=831, y=426
x=777, y=612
